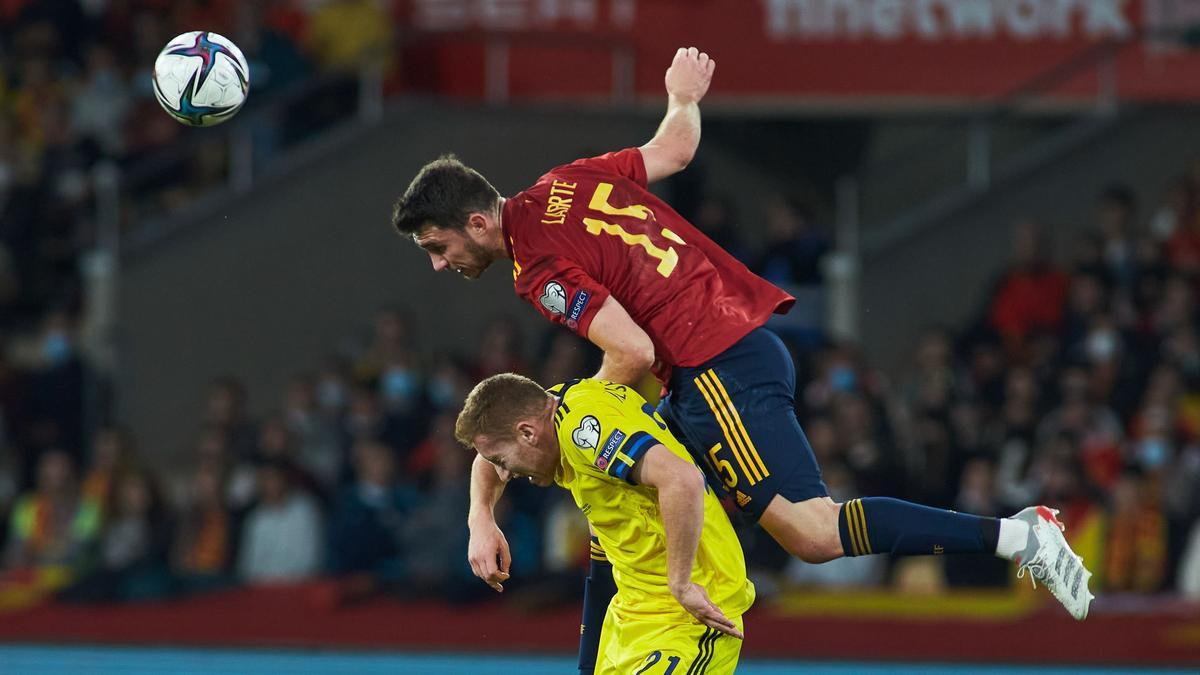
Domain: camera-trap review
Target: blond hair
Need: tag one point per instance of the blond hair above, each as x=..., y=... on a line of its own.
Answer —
x=494, y=407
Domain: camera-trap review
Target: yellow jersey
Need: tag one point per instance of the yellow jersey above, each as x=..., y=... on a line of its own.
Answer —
x=604, y=429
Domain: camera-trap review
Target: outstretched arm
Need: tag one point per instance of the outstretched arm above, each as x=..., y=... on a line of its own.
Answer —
x=681, y=502
x=487, y=550
x=675, y=142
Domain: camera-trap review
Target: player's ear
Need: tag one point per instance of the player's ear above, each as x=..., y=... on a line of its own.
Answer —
x=477, y=223
x=526, y=432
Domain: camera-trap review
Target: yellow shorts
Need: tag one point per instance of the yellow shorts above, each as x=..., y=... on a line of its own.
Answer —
x=665, y=648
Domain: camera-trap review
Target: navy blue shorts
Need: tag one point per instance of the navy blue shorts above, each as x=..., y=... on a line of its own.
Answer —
x=736, y=414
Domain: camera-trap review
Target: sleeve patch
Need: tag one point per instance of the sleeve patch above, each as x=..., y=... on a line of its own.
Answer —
x=578, y=304
x=610, y=446
x=554, y=298
x=587, y=435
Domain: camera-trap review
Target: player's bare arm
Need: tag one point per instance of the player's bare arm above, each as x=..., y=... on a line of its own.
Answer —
x=628, y=351
x=675, y=142
x=487, y=550
x=681, y=489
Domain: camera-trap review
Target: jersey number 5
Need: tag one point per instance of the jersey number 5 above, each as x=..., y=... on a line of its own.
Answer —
x=667, y=258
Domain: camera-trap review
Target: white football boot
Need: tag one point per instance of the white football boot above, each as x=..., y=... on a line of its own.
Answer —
x=1049, y=559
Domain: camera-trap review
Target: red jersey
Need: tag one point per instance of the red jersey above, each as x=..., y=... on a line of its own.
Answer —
x=591, y=229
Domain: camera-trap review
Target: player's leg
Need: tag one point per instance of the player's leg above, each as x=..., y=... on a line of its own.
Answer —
x=598, y=590
x=818, y=529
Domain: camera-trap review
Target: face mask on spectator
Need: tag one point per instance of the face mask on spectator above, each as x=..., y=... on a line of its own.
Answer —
x=842, y=378
x=441, y=392
x=56, y=348
x=1152, y=453
x=1102, y=345
x=398, y=385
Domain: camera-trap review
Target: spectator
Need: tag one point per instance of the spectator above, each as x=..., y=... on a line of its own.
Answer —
x=1096, y=427
x=366, y=420
x=567, y=356
x=449, y=382
x=1063, y=483
x=977, y=494
x=717, y=218
x=1183, y=242
x=391, y=342
x=1013, y=435
x=225, y=414
x=790, y=259
x=1087, y=298
x=1136, y=551
x=1115, y=216
x=239, y=473
x=281, y=539
x=101, y=102
x=1177, y=210
x=1028, y=297
x=132, y=563
x=318, y=440
x=422, y=465
x=55, y=526
x=113, y=454
x=366, y=528
x=436, y=533
x=933, y=382
x=56, y=389
x=333, y=390
x=499, y=350
x=203, y=551
x=277, y=444
x=933, y=475
x=867, y=448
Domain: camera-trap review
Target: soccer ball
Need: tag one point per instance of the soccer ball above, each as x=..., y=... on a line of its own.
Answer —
x=201, y=78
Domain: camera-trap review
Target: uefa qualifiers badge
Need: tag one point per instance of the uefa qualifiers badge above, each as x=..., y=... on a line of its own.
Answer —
x=587, y=434
x=554, y=298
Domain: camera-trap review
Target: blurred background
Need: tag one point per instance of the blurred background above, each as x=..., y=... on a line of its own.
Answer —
x=227, y=388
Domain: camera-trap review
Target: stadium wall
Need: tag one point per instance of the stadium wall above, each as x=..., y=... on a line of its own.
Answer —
x=1002, y=628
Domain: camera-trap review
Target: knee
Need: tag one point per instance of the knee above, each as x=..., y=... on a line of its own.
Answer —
x=812, y=532
x=815, y=550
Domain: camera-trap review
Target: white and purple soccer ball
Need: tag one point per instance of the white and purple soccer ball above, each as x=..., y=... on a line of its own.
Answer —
x=201, y=78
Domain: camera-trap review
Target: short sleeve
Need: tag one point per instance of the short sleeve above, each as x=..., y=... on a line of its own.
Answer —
x=610, y=440
x=627, y=163
x=562, y=292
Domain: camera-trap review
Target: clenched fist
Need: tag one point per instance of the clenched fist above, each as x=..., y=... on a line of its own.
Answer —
x=689, y=75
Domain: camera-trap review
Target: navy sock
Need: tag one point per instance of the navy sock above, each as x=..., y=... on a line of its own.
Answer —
x=598, y=590
x=886, y=525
